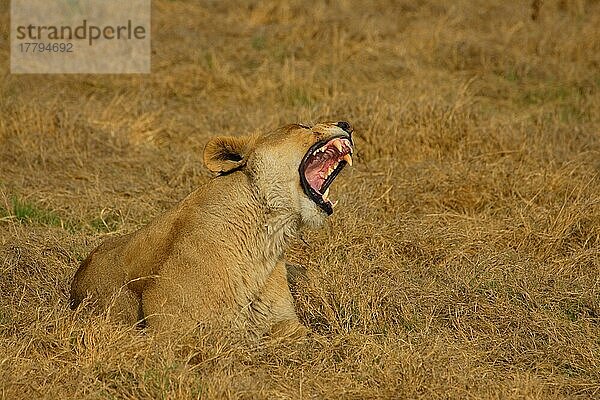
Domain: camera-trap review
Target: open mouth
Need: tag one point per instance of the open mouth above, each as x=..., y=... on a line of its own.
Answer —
x=321, y=164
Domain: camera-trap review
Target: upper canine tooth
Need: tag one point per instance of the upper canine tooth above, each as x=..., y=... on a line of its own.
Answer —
x=348, y=159
x=326, y=194
x=338, y=145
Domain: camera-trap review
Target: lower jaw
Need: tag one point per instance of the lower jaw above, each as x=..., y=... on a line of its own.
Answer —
x=324, y=206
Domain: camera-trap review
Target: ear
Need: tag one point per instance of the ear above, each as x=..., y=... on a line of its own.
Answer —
x=224, y=153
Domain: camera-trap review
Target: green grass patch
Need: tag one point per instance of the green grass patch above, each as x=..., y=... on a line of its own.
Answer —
x=31, y=213
x=209, y=61
x=28, y=212
x=259, y=42
x=571, y=113
x=566, y=102
x=513, y=75
x=106, y=223
x=550, y=94
x=4, y=319
x=575, y=310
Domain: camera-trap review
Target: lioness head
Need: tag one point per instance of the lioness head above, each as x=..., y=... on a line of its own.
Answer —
x=291, y=168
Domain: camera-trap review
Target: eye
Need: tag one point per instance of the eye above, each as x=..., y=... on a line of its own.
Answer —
x=304, y=126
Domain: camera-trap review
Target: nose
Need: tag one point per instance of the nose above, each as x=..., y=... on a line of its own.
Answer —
x=345, y=126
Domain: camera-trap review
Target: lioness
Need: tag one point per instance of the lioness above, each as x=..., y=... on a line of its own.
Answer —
x=219, y=252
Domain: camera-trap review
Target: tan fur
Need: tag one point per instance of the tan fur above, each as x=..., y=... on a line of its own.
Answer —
x=219, y=253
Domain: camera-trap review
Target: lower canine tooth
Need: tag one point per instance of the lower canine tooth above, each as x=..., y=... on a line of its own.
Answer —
x=348, y=159
x=334, y=204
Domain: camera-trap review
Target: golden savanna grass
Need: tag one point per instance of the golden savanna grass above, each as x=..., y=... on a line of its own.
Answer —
x=462, y=262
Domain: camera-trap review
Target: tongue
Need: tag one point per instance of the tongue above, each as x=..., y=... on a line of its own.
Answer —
x=314, y=177
x=316, y=171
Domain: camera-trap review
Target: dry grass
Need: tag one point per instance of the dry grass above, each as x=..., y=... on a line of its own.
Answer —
x=463, y=261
